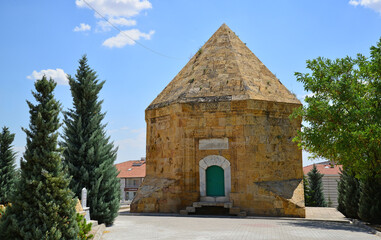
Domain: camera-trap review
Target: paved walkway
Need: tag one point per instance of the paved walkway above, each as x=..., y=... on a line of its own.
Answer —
x=325, y=214
x=128, y=226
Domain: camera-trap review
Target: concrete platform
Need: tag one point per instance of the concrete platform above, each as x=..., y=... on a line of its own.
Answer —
x=175, y=227
x=325, y=214
x=320, y=223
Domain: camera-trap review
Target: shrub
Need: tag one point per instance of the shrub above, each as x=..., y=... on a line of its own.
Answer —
x=370, y=200
x=84, y=228
x=2, y=210
x=316, y=188
x=348, y=194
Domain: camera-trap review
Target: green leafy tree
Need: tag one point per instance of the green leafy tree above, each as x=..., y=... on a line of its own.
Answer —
x=7, y=165
x=88, y=152
x=42, y=206
x=344, y=111
x=344, y=119
x=348, y=194
x=316, y=188
x=307, y=191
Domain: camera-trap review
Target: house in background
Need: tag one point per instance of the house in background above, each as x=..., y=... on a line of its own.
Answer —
x=330, y=180
x=131, y=175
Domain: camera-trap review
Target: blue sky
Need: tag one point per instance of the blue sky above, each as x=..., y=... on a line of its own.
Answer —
x=50, y=37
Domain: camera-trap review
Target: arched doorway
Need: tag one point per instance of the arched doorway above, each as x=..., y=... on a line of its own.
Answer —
x=215, y=186
x=215, y=178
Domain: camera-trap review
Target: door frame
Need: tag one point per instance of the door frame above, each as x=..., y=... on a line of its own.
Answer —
x=222, y=162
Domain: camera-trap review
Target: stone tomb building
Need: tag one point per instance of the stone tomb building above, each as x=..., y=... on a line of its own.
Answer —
x=220, y=135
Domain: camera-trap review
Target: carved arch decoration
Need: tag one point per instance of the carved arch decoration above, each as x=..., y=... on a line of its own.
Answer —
x=215, y=160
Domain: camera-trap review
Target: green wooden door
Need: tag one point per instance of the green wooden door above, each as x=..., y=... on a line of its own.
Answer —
x=215, y=181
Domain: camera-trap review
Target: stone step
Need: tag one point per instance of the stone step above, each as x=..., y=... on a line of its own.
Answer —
x=228, y=205
x=234, y=211
x=183, y=212
x=125, y=206
x=190, y=209
x=94, y=223
x=98, y=231
x=242, y=214
x=214, y=199
x=213, y=204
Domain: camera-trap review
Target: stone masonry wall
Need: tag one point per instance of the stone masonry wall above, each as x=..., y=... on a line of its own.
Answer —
x=266, y=166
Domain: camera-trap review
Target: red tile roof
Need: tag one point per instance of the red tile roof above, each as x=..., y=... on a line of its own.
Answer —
x=324, y=168
x=131, y=169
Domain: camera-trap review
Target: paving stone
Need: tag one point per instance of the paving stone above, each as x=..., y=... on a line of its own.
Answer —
x=195, y=227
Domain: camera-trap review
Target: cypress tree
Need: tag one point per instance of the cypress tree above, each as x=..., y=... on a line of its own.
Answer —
x=316, y=188
x=370, y=200
x=340, y=195
x=7, y=165
x=348, y=194
x=88, y=152
x=42, y=206
x=307, y=191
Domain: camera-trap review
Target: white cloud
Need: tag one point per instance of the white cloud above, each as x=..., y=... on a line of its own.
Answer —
x=373, y=4
x=122, y=21
x=118, y=13
x=58, y=75
x=133, y=147
x=105, y=26
x=82, y=27
x=116, y=8
x=354, y=2
x=125, y=128
x=121, y=39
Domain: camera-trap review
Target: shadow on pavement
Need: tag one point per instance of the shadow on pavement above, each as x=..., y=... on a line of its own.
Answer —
x=327, y=226
x=128, y=213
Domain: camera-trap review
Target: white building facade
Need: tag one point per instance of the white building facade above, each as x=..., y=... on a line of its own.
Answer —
x=131, y=175
x=330, y=180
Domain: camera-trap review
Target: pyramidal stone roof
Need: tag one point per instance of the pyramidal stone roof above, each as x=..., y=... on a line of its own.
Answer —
x=224, y=69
